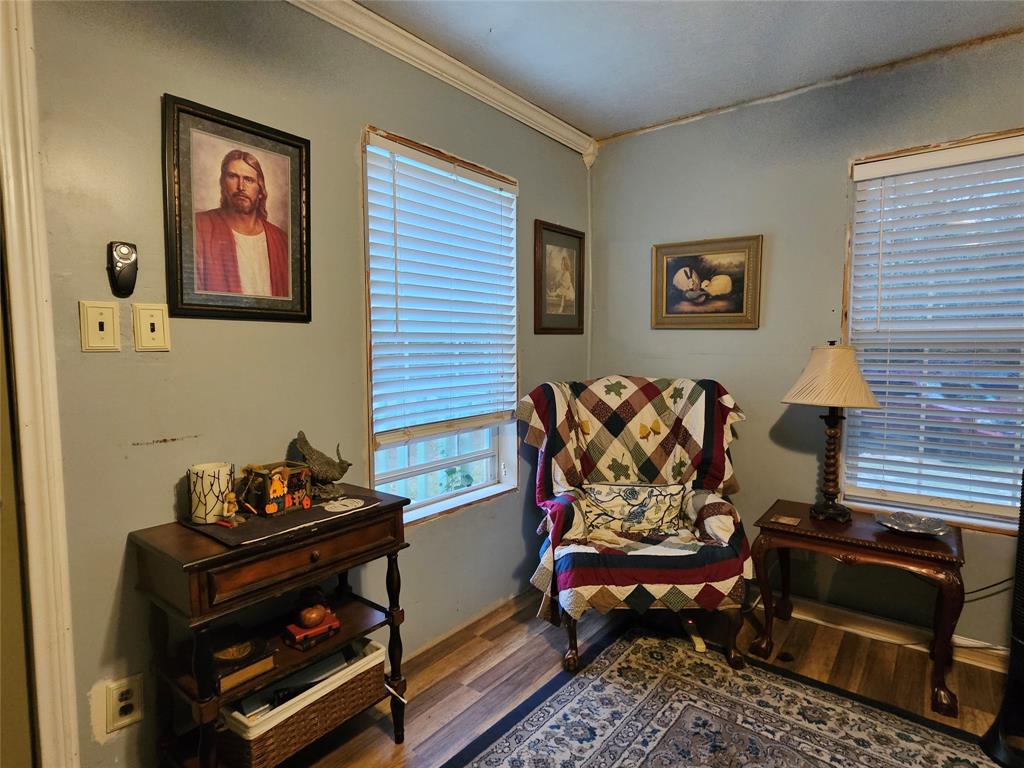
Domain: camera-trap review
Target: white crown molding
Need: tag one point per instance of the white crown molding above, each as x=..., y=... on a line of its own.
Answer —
x=368, y=26
x=34, y=372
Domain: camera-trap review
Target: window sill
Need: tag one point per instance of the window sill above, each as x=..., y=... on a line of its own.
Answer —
x=446, y=506
x=1005, y=526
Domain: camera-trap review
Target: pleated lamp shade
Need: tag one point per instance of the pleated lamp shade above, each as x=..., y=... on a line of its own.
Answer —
x=832, y=378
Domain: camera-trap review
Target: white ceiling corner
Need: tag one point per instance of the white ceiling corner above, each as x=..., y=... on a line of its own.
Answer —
x=378, y=31
x=586, y=71
x=610, y=67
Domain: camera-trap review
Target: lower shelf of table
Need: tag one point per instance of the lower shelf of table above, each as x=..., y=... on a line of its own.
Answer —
x=358, y=617
x=185, y=750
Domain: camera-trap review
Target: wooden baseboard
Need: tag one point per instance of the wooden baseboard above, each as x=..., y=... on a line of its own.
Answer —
x=965, y=650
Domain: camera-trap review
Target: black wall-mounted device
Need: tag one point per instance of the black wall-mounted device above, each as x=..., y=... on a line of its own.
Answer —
x=122, y=267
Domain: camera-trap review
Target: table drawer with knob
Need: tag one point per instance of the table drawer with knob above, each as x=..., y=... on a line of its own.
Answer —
x=233, y=581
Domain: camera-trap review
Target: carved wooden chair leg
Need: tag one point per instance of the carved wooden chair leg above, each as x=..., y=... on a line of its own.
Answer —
x=732, y=654
x=571, y=662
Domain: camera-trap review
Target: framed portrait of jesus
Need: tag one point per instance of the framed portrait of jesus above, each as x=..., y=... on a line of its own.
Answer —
x=236, y=207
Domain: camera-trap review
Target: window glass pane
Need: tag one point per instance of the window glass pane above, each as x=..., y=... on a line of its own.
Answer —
x=444, y=482
x=434, y=449
x=391, y=458
x=477, y=440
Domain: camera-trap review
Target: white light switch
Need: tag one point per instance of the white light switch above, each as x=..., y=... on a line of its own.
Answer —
x=100, y=329
x=152, y=331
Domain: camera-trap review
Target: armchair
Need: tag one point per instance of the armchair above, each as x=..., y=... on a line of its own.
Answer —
x=633, y=476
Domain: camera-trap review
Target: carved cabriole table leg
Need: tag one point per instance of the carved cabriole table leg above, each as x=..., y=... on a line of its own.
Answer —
x=571, y=662
x=395, y=678
x=948, y=604
x=732, y=654
x=762, y=646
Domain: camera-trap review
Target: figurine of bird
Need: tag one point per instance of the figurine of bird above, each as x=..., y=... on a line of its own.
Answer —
x=325, y=469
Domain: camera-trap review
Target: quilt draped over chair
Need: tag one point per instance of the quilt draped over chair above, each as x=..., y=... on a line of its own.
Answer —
x=632, y=474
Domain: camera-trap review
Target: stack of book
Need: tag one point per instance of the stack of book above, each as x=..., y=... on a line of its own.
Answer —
x=238, y=659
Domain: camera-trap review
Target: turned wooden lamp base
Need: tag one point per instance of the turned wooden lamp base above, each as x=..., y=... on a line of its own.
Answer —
x=830, y=509
x=836, y=512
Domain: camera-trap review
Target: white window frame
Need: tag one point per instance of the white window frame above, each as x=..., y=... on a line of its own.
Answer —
x=965, y=513
x=505, y=468
x=503, y=449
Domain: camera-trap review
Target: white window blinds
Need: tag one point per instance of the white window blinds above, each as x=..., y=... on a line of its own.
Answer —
x=937, y=318
x=442, y=272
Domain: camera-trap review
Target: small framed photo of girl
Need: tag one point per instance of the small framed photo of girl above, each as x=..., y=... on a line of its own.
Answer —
x=558, y=259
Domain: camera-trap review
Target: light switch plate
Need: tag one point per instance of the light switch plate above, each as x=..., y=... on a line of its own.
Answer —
x=152, y=331
x=101, y=331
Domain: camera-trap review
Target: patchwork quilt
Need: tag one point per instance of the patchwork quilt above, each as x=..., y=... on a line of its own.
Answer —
x=632, y=475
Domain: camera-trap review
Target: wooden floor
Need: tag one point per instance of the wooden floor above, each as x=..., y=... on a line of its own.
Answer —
x=461, y=686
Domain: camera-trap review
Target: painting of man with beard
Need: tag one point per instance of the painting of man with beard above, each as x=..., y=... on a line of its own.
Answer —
x=237, y=249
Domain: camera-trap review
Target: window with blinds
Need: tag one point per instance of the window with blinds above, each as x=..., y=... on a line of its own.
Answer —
x=937, y=317
x=442, y=304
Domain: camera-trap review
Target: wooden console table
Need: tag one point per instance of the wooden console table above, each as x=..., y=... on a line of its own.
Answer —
x=861, y=541
x=197, y=581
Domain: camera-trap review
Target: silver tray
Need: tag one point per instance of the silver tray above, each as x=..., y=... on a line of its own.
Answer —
x=915, y=525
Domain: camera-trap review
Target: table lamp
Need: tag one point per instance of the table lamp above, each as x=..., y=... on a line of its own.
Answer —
x=832, y=379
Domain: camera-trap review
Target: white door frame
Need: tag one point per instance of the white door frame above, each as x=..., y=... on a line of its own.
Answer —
x=34, y=372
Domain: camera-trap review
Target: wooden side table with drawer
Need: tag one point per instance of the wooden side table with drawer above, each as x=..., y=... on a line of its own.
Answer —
x=194, y=580
x=788, y=525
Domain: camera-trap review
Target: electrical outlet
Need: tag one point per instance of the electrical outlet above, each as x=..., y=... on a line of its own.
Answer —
x=152, y=331
x=124, y=702
x=101, y=331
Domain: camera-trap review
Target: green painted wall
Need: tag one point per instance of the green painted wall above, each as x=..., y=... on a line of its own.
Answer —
x=102, y=68
x=778, y=169
x=781, y=169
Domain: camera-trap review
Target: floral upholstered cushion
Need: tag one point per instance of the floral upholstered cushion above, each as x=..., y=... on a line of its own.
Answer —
x=636, y=508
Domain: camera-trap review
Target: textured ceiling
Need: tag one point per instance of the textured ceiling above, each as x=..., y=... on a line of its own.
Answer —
x=612, y=66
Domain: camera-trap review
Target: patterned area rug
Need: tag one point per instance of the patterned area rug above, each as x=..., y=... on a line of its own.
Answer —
x=653, y=702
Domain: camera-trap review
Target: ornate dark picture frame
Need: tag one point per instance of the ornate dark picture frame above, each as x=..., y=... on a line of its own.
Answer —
x=236, y=216
x=707, y=284
x=559, y=256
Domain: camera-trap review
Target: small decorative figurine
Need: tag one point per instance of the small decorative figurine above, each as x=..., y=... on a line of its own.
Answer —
x=326, y=470
x=277, y=490
x=270, y=489
x=314, y=620
x=230, y=505
x=311, y=616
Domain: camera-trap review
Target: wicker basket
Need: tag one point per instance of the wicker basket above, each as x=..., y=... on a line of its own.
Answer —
x=301, y=721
